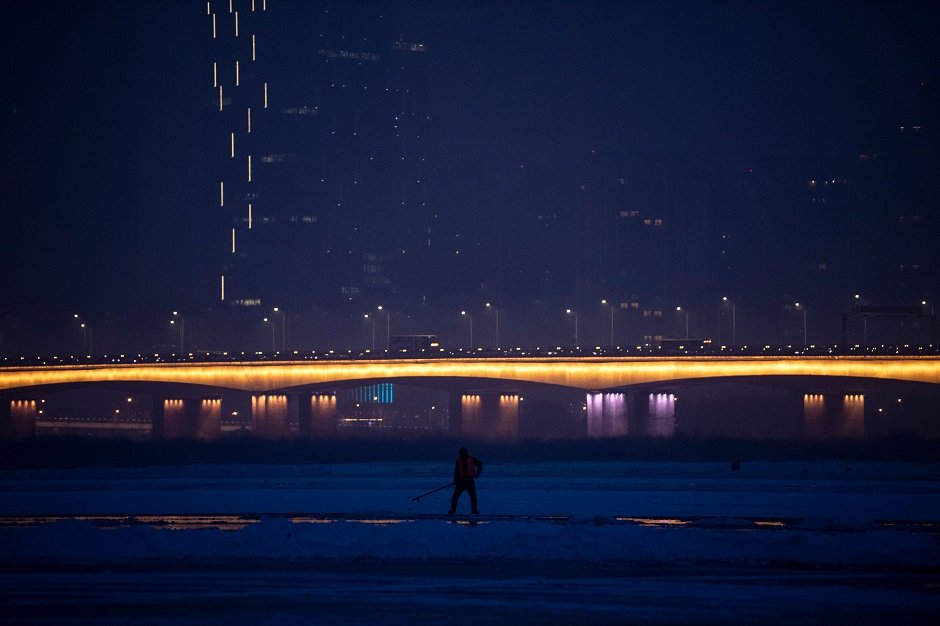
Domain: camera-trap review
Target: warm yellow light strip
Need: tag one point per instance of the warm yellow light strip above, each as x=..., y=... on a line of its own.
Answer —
x=587, y=373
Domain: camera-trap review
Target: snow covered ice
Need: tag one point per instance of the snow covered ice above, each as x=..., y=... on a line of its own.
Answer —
x=597, y=542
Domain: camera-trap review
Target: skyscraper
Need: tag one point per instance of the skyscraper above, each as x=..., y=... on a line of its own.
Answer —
x=319, y=130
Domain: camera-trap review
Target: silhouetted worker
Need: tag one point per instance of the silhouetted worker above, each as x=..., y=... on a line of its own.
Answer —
x=465, y=470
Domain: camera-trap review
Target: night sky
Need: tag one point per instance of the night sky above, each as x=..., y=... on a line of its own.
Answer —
x=103, y=161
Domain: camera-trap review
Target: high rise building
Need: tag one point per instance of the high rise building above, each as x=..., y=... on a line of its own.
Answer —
x=318, y=118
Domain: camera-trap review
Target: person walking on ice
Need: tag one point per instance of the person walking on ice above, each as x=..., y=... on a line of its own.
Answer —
x=465, y=470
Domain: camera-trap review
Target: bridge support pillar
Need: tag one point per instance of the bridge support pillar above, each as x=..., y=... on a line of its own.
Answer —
x=269, y=416
x=608, y=414
x=186, y=418
x=317, y=415
x=490, y=416
x=18, y=418
x=660, y=415
x=834, y=415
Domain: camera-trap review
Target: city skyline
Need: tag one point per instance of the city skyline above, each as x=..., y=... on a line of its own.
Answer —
x=653, y=158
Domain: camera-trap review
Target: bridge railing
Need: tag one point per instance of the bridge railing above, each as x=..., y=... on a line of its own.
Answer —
x=478, y=353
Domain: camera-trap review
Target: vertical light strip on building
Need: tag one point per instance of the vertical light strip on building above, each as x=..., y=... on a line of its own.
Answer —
x=223, y=287
x=215, y=74
x=265, y=95
x=253, y=47
x=220, y=97
x=208, y=8
x=233, y=145
x=213, y=25
x=233, y=240
x=249, y=168
x=249, y=120
x=236, y=23
x=249, y=216
x=221, y=193
x=237, y=75
x=229, y=6
x=252, y=6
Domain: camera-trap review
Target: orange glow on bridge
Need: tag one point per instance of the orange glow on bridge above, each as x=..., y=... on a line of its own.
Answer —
x=587, y=373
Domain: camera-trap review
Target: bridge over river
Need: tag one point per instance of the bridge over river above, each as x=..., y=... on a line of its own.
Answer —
x=622, y=394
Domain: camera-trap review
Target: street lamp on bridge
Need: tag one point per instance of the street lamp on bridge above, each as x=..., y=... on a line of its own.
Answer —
x=469, y=317
x=388, y=326
x=372, y=317
x=686, y=311
x=182, y=327
x=803, y=309
x=734, y=336
x=283, y=314
x=575, y=313
x=273, y=339
x=86, y=334
x=611, y=304
x=490, y=306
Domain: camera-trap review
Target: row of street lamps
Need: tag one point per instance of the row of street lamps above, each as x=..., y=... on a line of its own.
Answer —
x=179, y=321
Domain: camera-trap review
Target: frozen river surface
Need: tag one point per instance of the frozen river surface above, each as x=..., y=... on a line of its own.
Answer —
x=560, y=543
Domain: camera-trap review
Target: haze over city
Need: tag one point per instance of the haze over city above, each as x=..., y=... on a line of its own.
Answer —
x=640, y=165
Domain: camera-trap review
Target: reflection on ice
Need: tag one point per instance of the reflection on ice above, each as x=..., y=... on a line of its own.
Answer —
x=649, y=521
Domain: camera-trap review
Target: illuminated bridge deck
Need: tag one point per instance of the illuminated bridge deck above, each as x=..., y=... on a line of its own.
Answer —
x=586, y=373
